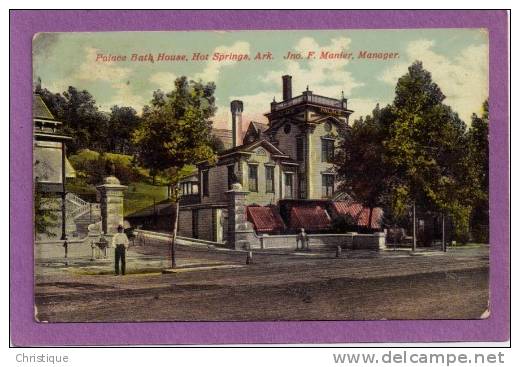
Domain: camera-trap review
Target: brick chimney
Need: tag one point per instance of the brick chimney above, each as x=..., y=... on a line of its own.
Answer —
x=236, y=121
x=287, y=87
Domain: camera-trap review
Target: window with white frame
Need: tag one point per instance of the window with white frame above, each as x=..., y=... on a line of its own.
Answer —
x=288, y=185
x=327, y=150
x=269, y=178
x=327, y=185
x=253, y=178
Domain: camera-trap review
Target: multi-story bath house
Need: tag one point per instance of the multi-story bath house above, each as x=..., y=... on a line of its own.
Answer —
x=51, y=168
x=285, y=165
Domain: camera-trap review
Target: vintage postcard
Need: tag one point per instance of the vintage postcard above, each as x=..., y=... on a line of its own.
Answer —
x=195, y=176
x=251, y=183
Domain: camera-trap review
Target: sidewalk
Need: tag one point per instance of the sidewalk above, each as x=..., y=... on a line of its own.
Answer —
x=206, y=266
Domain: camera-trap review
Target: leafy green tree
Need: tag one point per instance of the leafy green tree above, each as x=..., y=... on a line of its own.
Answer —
x=122, y=123
x=176, y=131
x=478, y=136
x=80, y=116
x=361, y=160
x=428, y=149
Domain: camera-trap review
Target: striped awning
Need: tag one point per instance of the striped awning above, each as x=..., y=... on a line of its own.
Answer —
x=311, y=218
x=265, y=219
x=359, y=213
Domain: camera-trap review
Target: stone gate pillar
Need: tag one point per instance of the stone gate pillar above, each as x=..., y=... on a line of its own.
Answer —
x=111, y=193
x=240, y=232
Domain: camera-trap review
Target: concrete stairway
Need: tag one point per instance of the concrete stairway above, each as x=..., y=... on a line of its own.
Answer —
x=87, y=219
x=80, y=214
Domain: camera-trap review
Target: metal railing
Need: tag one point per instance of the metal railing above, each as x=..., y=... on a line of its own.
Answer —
x=78, y=207
x=310, y=98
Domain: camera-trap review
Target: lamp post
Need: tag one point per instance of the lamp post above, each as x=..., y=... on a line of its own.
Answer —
x=63, y=192
x=414, y=243
x=443, y=234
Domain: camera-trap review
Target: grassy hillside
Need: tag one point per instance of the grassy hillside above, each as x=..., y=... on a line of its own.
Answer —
x=141, y=195
x=92, y=167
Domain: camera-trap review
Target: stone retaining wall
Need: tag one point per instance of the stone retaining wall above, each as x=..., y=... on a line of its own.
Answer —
x=374, y=241
x=351, y=240
x=143, y=237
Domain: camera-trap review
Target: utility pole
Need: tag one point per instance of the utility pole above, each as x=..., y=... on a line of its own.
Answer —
x=443, y=235
x=176, y=193
x=414, y=243
x=63, y=192
x=154, y=215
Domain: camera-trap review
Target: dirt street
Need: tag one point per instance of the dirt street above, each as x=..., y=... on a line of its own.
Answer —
x=277, y=286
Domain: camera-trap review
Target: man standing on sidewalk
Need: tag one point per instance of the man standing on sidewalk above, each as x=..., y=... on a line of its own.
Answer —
x=120, y=242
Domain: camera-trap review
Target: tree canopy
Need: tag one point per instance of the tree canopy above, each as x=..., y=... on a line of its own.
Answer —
x=176, y=127
x=123, y=122
x=90, y=127
x=427, y=145
x=176, y=132
x=417, y=151
x=478, y=136
x=362, y=169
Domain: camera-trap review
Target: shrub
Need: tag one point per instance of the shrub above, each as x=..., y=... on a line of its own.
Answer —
x=94, y=166
x=343, y=224
x=480, y=233
x=426, y=236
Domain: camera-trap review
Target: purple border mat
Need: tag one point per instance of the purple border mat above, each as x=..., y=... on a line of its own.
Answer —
x=26, y=332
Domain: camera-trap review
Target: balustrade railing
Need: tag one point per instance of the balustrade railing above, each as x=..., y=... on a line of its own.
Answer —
x=77, y=207
x=310, y=98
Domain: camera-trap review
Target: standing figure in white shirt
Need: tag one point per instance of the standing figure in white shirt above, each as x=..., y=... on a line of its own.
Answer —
x=120, y=242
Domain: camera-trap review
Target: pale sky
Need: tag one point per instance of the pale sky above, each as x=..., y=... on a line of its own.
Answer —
x=457, y=59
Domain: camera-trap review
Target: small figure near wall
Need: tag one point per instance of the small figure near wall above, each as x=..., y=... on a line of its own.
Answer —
x=303, y=238
x=66, y=247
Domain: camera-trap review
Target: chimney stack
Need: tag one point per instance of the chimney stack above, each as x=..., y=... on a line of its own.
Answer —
x=287, y=87
x=236, y=121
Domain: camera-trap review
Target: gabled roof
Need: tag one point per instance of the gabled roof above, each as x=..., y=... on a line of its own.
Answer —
x=40, y=110
x=282, y=122
x=327, y=118
x=254, y=132
x=259, y=126
x=192, y=177
x=246, y=148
